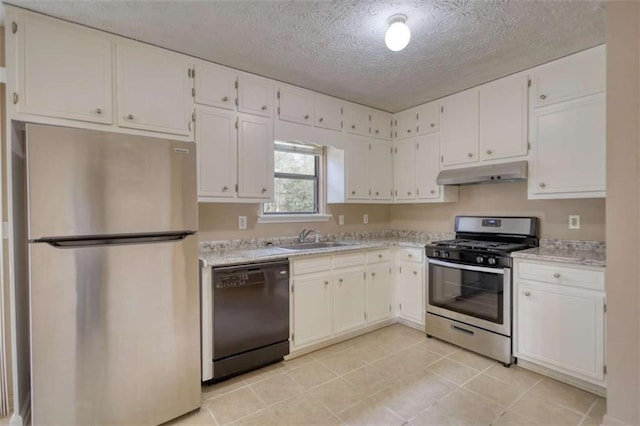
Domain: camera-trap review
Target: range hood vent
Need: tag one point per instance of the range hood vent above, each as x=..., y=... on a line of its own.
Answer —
x=506, y=172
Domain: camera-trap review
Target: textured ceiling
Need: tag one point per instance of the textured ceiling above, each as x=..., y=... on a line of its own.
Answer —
x=337, y=47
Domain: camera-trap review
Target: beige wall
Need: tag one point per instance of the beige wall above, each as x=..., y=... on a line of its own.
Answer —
x=220, y=221
x=623, y=213
x=508, y=199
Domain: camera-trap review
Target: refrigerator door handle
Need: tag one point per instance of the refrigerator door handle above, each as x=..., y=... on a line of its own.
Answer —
x=119, y=240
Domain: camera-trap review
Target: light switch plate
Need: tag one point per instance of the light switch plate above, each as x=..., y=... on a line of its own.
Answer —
x=242, y=222
x=340, y=219
x=365, y=219
x=574, y=221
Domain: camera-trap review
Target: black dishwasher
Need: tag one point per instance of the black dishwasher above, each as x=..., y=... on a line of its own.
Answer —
x=250, y=316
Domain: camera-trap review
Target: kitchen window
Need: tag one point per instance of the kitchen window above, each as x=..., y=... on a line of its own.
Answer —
x=297, y=185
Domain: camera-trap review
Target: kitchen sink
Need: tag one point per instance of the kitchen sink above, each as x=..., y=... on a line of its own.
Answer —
x=315, y=246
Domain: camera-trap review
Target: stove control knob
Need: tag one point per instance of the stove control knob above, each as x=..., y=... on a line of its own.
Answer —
x=491, y=261
x=436, y=253
x=479, y=259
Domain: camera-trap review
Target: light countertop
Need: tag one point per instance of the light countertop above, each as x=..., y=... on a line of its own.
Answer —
x=594, y=257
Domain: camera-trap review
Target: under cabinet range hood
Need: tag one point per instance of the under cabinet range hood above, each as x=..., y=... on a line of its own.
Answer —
x=505, y=172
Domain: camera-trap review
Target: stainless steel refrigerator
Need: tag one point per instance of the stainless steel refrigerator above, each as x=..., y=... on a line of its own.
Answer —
x=113, y=277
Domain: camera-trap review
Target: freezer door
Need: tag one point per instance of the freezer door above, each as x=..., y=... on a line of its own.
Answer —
x=85, y=182
x=115, y=333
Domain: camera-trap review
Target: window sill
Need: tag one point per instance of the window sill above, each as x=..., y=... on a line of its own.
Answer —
x=288, y=218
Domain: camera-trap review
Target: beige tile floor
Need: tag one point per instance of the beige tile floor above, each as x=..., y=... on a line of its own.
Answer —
x=394, y=376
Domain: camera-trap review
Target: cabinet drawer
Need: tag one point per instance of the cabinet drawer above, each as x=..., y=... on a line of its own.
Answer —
x=347, y=260
x=378, y=256
x=554, y=274
x=309, y=265
x=411, y=255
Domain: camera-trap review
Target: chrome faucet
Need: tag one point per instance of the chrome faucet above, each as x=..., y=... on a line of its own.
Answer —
x=304, y=234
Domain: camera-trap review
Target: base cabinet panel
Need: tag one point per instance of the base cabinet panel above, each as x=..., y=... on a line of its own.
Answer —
x=349, y=300
x=410, y=290
x=311, y=309
x=379, y=292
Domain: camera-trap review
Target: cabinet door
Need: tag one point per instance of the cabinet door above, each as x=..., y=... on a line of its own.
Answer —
x=562, y=327
x=311, y=309
x=327, y=112
x=255, y=95
x=578, y=75
x=255, y=157
x=459, y=128
x=406, y=124
x=427, y=166
x=295, y=105
x=428, y=118
x=405, y=170
x=356, y=119
x=154, y=90
x=503, y=118
x=348, y=300
x=216, y=138
x=410, y=291
x=569, y=142
x=64, y=71
x=381, y=125
x=215, y=86
x=379, y=292
x=357, y=169
x=381, y=170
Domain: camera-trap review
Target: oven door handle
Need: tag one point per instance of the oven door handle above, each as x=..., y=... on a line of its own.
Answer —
x=497, y=271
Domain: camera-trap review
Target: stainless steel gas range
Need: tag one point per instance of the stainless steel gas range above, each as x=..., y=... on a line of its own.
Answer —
x=469, y=295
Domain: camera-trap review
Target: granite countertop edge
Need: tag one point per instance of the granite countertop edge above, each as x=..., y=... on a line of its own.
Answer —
x=563, y=255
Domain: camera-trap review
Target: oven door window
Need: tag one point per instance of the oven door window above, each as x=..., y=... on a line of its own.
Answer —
x=475, y=293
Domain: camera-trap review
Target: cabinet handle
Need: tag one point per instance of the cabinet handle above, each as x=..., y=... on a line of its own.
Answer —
x=408, y=130
x=415, y=272
x=410, y=255
x=433, y=125
x=190, y=125
x=377, y=131
x=373, y=274
x=321, y=119
x=543, y=97
x=556, y=275
x=353, y=126
x=326, y=283
x=225, y=99
x=433, y=191
x=129, y=117
x=264, y=190
x=470, y=155
x=489, y=152
x=527, y=293
x=98, y=111
x=379, y=256
x=542, y=185
x=225, y=188
x=408, y=193
x=340, y=280
x=377, y=193
x=264, y=107
x=306, y=117
x=353, y=192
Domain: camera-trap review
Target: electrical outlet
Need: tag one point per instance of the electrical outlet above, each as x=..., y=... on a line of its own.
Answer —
x=242, y=222
x=574, y=221
x=340, y=219
x=365, y=219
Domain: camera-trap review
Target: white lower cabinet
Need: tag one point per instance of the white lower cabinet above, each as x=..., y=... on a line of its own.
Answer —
x=410, y=285
x=338, y=295
x=559, y=318
x=311, y=308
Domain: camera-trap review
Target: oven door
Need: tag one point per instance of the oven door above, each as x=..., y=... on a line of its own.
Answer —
x=474, y=295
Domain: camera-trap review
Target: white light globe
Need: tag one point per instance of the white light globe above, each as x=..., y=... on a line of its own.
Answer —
x=397, y=36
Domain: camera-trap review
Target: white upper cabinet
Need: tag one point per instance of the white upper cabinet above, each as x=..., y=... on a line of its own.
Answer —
x=216, y=139
x=64, y=71
x=255, y=157
x=459, y=122
x=357, y=166
x=356, y=119
x=570, y=149
x=572, y=77
x=295, y=105
x=428, y=116
x=406, y=124
x=327, y=112
x=255, y=95
x=215, y=86
x=381, y=125
x=427, y=156
x=154, y=89
x=405, y=169
x=381, y=170
x=503, y=118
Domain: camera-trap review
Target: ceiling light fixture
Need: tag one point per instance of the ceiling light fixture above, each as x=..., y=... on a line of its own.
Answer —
x=398, y=34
